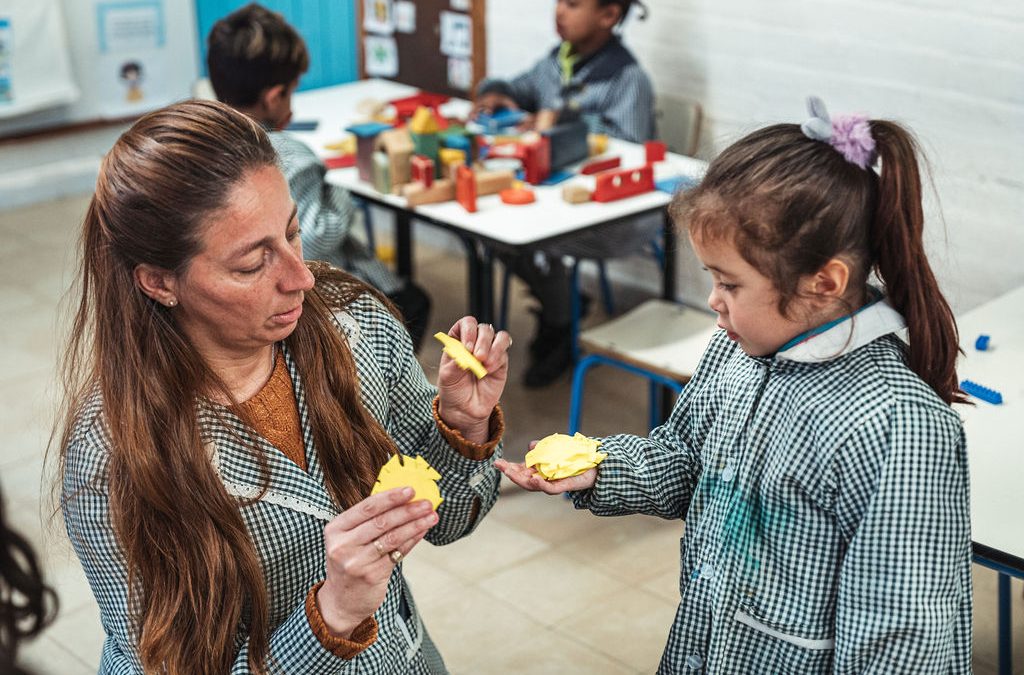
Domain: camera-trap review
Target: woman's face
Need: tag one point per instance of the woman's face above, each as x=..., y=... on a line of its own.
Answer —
x=244, y=289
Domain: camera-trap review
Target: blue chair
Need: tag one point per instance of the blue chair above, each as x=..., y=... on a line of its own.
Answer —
x=659, y=340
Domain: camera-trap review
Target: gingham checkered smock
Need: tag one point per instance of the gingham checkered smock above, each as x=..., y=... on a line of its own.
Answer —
x=825, y=494
x=287, y=523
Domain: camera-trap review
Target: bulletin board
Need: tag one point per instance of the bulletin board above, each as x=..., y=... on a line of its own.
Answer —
x=437, y=45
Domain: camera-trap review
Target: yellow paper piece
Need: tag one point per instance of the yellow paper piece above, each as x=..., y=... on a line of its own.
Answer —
x=463, y=359
x=414, y=473
x=561, y=456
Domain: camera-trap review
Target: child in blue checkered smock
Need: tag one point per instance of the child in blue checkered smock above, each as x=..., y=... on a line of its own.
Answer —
x=814, y=454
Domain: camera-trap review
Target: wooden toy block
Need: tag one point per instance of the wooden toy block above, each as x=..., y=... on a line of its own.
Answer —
x=598, y=144
x=491, y=182
x=655, y=151
x=398, y=146
x=366, y=143
x=537, y=160
x=442, y=190
x=451, y=156
x=575, y=194
x=599, y=165
x=381, y=173
x=517, y=196
x=406, y=106
x=612, y=185
x=340, y=162
x=422, y=170
x=465, y=188
x=568, y=143
x=423, y=121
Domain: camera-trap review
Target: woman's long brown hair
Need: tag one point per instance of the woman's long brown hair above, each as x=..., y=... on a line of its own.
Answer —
x=791, y=204
x=195, y=580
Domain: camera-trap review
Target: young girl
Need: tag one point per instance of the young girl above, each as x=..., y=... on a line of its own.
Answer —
x=814, y=455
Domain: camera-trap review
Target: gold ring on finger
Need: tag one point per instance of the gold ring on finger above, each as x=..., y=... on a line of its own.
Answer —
x=396, y=556
x=379, y=546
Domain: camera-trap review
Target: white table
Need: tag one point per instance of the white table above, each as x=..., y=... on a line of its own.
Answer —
x=495, y=225
x=995, y=445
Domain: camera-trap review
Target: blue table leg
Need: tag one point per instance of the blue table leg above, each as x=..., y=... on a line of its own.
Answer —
x=1005, y=627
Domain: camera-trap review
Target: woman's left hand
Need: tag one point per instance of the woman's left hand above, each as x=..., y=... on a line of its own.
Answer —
x=465, y=401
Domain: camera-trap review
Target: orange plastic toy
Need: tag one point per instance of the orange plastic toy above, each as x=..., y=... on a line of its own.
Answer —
x=517, y=196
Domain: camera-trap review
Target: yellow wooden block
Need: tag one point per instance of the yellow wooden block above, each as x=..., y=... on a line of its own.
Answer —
x=423, y=121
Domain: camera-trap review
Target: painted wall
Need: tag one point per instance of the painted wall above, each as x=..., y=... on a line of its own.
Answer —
x=952, y=71
x=328, y=26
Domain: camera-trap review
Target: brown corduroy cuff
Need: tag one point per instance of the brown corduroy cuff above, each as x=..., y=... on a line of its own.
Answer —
x=468, y=449
x=364, y=635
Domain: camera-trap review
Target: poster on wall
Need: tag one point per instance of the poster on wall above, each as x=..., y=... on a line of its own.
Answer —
x=460, y=73
x=405, y=16
x=6, y=52
x=380, y=56
x=378, y=17
x=131, y=72
x=456, y=35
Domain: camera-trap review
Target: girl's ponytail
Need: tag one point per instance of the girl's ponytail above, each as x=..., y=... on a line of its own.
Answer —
x=897, y=249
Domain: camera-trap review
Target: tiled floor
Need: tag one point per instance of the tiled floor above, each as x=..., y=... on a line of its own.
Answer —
x=540, y=588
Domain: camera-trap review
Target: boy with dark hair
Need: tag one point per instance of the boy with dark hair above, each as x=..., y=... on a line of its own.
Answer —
x=255, y=59
x=590, y=76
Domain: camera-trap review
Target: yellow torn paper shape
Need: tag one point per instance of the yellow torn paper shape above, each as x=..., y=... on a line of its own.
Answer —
x=463, y=359
x=409, y=472
x=561, y=456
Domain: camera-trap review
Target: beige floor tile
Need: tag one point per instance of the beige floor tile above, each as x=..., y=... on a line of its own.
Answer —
x=46, y=656
x=469, y=624
x=635, y=633
x=494, y=546
x=547, y=653
x=552, y=586
x=552, y=519
x=81, y=632
x=664, y=585
x=429, y=583
x=631, y=548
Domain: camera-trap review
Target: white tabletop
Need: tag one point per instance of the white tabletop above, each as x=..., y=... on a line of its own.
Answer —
x=995, y=433
x=550, y=216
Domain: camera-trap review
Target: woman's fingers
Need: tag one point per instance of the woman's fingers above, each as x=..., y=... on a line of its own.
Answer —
x=402, y=538
x=382, y=525
x=371, y=508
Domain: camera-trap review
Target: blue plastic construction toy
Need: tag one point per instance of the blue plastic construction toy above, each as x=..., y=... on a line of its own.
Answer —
x=981, y=344
x=984, y=393
x=502, y=118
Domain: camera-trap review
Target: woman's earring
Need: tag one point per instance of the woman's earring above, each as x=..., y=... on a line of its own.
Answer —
x=172, y=302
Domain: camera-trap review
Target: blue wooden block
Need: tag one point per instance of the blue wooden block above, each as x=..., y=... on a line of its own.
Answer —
x=984, y=393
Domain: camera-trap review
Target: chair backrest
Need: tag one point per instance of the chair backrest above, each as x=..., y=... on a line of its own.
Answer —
x=679, y=122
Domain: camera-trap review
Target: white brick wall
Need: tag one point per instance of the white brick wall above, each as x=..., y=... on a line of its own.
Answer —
x=952, y=71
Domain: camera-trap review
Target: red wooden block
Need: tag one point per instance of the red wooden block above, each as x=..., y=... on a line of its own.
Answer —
x=612, y=185
x=537, y=160
x=517, y=196
x=599, y=165
x=340, y=162
x=655, y=151
x=465, y=188
x=406, y=106
x=422, y=170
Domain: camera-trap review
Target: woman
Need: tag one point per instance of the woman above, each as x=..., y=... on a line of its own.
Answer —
x=229, y=409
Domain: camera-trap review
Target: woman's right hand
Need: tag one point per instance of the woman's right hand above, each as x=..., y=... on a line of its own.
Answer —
x=359, y=543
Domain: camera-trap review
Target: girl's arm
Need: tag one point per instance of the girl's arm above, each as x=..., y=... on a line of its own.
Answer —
x=904, y=600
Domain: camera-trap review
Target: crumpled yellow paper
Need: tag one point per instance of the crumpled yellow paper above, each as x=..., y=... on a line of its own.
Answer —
x=463, y=359
x=561, y=456
x=415, y=473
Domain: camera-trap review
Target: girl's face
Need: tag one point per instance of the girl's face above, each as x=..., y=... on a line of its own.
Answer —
x=582, y=22
x=746, y=301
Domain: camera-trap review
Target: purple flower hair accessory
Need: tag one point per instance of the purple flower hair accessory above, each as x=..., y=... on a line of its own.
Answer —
x=849, y=134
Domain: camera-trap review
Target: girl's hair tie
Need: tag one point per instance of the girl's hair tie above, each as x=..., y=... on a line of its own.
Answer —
x=849, y=134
